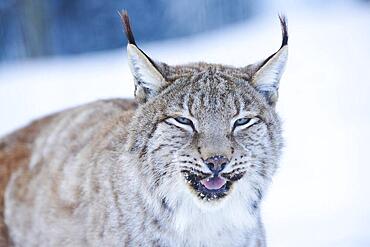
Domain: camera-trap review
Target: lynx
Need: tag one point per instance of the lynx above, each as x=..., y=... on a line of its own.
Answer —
x=186, y=163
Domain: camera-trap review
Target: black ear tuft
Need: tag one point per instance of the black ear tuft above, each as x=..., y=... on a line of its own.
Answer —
x=265, y=75
x=284, y=29
x=129, y=34
x=126, y=24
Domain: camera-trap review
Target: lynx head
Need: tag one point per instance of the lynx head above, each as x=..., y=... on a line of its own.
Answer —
x=203, y=131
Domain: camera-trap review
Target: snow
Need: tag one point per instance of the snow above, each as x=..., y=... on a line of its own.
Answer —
x=319, y=196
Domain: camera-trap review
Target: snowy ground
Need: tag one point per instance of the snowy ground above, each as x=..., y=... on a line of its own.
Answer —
x=320, y=195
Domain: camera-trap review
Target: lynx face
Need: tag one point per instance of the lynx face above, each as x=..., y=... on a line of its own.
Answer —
x=206, y=131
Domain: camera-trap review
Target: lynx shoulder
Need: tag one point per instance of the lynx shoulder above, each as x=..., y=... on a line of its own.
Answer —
x=186, y=163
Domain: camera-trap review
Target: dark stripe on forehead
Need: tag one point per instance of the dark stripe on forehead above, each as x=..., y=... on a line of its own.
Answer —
x=214, y=91
x=189, y=104
x=196, y=101
x=236, y=106
x=201, y=97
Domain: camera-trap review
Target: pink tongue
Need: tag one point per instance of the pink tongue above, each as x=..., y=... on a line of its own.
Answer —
x=213, y=183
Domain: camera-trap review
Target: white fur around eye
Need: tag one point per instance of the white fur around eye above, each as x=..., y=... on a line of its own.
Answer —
x=244, y=126
x=183, y=126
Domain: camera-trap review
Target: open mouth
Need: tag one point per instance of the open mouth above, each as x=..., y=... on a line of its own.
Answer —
x=208, y=187
x=213, y=187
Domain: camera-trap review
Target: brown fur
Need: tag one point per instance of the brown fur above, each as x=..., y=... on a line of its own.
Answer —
x=15, y=151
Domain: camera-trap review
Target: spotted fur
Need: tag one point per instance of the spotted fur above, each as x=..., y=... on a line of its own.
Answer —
x=116, y=172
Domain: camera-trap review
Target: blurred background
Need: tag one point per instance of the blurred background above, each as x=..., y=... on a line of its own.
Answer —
x=56, y=54
x=35, y=28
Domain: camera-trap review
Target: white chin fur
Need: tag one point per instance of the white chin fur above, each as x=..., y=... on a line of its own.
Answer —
x=230, y=214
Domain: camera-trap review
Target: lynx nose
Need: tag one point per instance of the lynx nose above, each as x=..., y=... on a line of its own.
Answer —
x=216, y=164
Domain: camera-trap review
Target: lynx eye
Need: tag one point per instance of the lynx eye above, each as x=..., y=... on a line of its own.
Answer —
x=184, y=120
x=244, y=122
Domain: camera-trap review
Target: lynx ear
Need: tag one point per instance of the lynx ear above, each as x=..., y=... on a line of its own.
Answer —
x=148, y=79
x=265, y=75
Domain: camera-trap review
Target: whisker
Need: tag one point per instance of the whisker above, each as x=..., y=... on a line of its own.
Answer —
x=237, y=170
x=189, y=162
x=193, y=170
